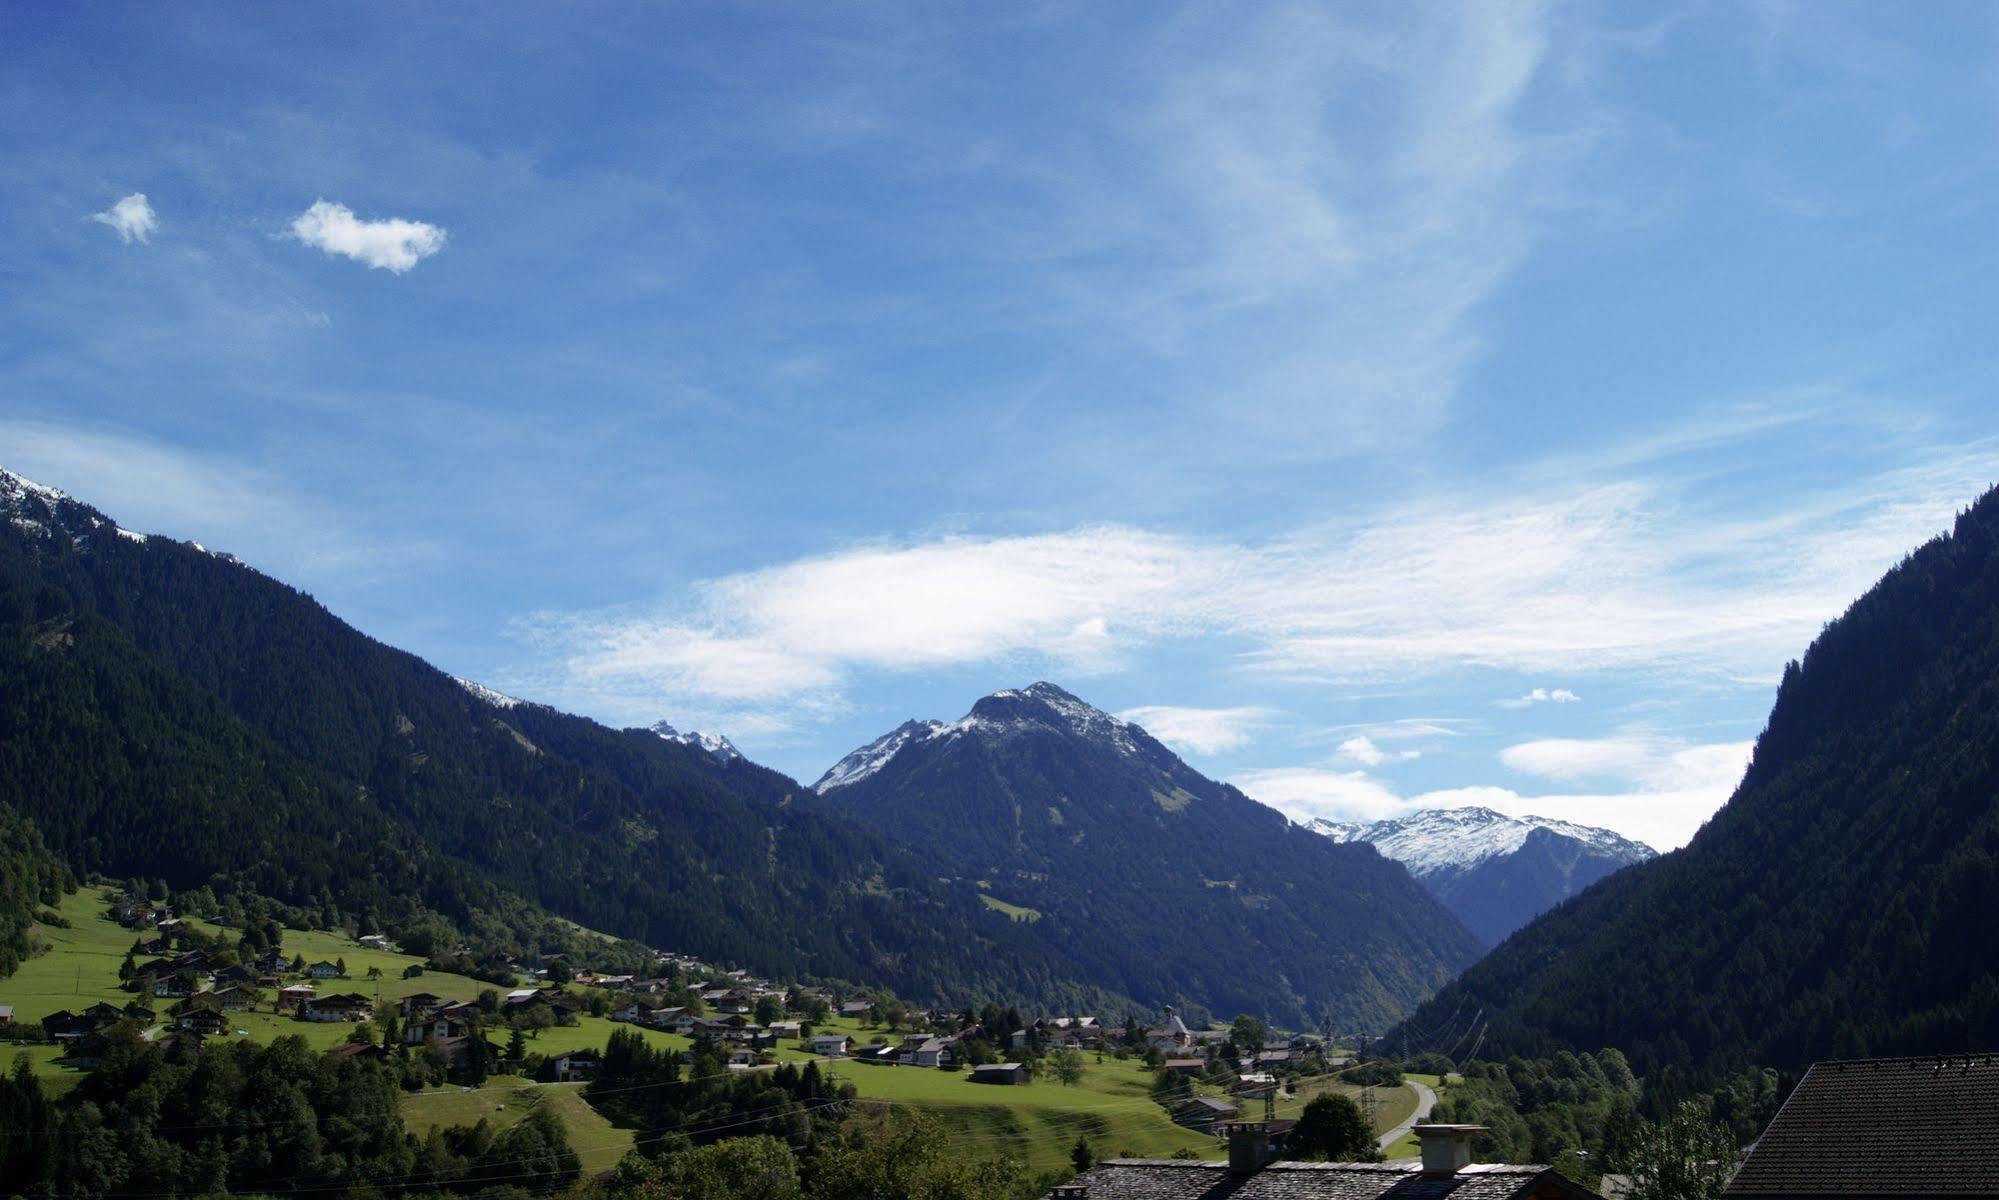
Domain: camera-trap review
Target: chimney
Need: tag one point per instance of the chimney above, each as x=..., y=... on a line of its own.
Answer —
x=1249, y=1147
x=1447, y=1148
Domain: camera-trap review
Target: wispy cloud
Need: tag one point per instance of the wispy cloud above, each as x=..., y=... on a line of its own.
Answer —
x=150, y=486
x=392, y=244
x=1606, y=577
x=1200, y=730
x=132, y=218
x=1318, y=200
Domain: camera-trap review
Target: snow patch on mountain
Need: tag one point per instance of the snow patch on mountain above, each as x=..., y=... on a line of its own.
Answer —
x=719, y=748
x=482, y=692
x=1458, y=839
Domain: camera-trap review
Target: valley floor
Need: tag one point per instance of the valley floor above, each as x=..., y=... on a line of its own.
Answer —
x=1038, y=1122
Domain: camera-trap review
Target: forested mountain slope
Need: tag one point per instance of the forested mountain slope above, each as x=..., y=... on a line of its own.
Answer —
x=168, y=712
x=1841, y=903
x=1181, y=889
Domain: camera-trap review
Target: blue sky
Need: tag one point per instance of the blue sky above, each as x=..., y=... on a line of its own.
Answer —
x=1391, y=405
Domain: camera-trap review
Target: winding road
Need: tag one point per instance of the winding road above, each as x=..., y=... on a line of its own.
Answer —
x=1426, y=1099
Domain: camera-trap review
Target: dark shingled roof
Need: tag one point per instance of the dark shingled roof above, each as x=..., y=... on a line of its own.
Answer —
x=1180, y=1179
x=1883, y=1127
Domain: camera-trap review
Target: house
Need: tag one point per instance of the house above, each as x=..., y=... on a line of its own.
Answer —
x=323, y=970
x=1274, y=1058
x=173, y=986
x=1445, y=1170
x=6, y=1014
x=742, y=1058
x=1003, y=1073
x=437, y=1027
x=236, y=974
x=1256, y=1085
x=64, y=1025
x=1902, y=1127
x=675, y=1020
x=832, y=1044
x=632, y=1013
x=295, y=995
x=856, y=1010
x=344, y=1006
x=419, y=1004
x=233, y=999
x=136, y=1011
x=205, y=1021
x=101, y=1013
x=926, y=1052
x=1203, y=1114
x=1185, y=1066
x=357, y=1052
x=413, y=971
x=575, y=1066
x=374, y=941
x=784, y=1029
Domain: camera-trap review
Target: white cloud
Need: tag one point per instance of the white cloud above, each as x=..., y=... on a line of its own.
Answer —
x=1671, y=788
x=1361, y=749
x=132, y=217
x=1611, y=577
x=1305, y=792
x=1199, y=730
x=392, y=244
x=1540, y=695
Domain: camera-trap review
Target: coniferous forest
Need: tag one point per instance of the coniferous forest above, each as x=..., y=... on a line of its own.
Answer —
x=1840, y=905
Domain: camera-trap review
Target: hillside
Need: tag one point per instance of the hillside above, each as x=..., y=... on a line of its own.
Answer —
x=167, y=712
x=1494, y=871
x=1840, y=904
x=1180, y=889
x=32, y=880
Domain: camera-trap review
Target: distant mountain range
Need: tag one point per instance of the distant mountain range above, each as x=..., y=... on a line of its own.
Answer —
x=1494, y=871
x=1840, y=905
x=169, y=713
x=1181, y=888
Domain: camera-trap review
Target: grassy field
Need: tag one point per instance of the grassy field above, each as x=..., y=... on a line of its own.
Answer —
x=506, y=1099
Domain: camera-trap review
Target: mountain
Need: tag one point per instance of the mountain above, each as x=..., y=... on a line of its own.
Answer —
x=1494, y=871
x=1840, y=904
x=1178, y=888
x=714, y=745
x=167, y=712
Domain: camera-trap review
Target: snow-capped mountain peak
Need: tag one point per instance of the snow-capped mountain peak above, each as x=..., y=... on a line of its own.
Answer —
x=719, y=748
x=1006, y=712
x=875, y=755
x=1458, y=839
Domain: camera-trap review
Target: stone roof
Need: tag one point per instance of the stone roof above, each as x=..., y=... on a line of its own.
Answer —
x=1900, y=1127
x=1178, y=1179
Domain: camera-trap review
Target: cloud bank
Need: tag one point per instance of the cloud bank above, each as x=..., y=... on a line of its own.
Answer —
x=1199, y=730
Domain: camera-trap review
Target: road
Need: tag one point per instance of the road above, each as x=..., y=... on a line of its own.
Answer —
x=1426, y=1100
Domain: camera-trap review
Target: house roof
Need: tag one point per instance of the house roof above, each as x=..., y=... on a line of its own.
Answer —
x=1892, y=1126
x=1177, y=1179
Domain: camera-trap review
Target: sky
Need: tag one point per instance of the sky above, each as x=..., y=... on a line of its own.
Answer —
x=1385, y=405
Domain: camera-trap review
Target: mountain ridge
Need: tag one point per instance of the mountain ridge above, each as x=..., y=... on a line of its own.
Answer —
x=1056, y=805
x=1494, y=871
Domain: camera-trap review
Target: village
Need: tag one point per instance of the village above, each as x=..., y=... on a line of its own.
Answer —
x=182, y=980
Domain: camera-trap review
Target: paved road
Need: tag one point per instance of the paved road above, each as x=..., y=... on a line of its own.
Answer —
x=1425, y=1101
